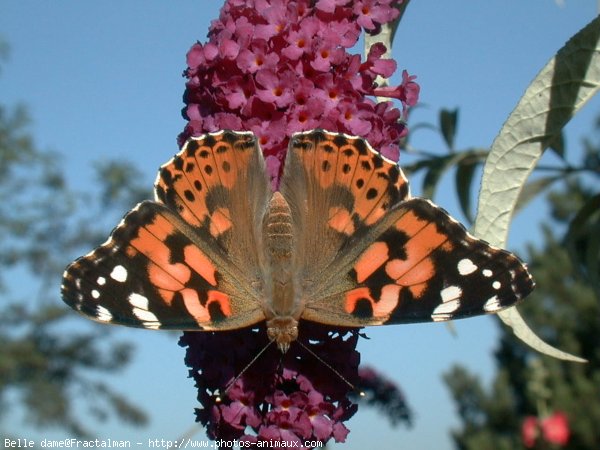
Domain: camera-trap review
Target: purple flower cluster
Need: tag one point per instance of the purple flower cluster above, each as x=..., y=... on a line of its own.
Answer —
x=276, y=67
x=291, y=397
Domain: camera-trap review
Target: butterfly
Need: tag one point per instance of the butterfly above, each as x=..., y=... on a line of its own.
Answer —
x=341, y=243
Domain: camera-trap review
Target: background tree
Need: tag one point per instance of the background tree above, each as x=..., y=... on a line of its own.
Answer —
x=50, y=367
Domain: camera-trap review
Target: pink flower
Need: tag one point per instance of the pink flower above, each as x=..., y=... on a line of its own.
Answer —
x=554, y=429
x=411, y=89
x=301, y=40
x=257, y=57
x=326, y=56
x=237, y=91
x=330, y=5
x=270, y=133
x=342, y=32
x=241, y=412
x=374, y=65
x=372, y=12
x=195, y=56
x=529, y=431
x=229, y=49
x=276, y=88
x=306, y=117
x=276, y=18
x=355, y=118
x=330, y=90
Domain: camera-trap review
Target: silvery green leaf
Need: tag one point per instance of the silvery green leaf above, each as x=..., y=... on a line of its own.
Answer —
x=562, y=87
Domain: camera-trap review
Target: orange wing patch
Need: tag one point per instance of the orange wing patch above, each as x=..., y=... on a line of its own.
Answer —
x=417, y=267
x=201, y=311
x=150, y=241
x=340, y=220
x=220, y=222
x=360, y=302
x=372, y=259
x=199, y=262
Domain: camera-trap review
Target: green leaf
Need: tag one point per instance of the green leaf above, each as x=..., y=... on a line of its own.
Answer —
x=437, y=168
x=448, y=125
x=563, y=86
x=465, y=173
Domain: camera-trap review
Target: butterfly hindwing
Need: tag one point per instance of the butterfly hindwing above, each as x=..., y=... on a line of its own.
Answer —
x=170, y=265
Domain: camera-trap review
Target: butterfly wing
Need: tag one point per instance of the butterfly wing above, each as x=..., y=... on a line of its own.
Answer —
x=174, y=263
x=397, y=260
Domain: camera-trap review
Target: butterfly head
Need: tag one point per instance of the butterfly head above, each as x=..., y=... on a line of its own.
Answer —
x=283, y=330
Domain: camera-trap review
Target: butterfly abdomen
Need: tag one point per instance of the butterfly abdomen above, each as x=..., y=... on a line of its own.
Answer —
x=279, y=240
x=279, y=243
x=278, y=230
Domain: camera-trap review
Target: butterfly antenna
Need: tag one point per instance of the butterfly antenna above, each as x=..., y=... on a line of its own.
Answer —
x=218, y=399
x=326, y=364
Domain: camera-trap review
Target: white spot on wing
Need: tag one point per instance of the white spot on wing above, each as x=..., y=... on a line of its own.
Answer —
x=444, y=311
x=101, y=281
x=95, y=293
x=140, y=310
x=487, y=273
x=138, y=301
x=492, y=304
x=450, y=303
x=466, y=266
x=144, y=315
x=496, y=285
x=451, y=293
x=119, y=273
x=103, y=314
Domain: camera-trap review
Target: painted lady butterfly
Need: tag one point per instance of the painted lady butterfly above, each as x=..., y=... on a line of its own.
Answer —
x=342, y=243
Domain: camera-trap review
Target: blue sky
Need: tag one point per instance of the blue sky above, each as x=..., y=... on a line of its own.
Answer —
x=103, y=80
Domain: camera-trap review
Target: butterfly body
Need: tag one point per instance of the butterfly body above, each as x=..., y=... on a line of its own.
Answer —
x=282, y=307
x=341, y=243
